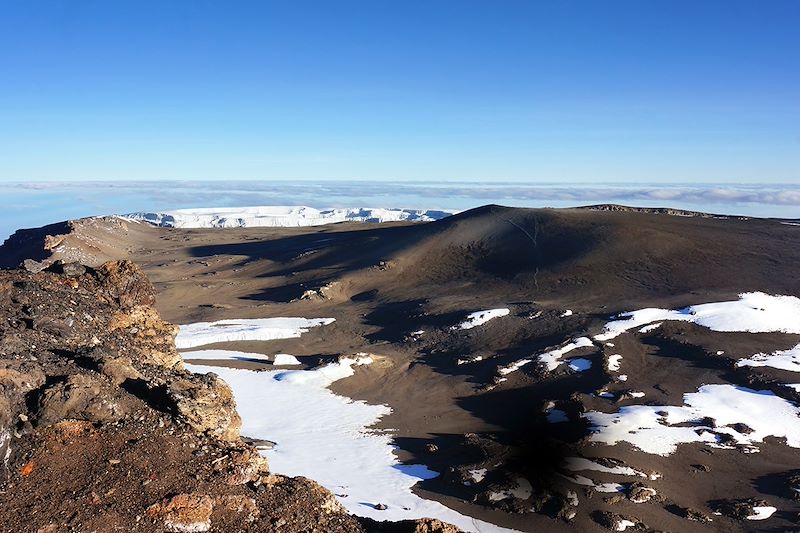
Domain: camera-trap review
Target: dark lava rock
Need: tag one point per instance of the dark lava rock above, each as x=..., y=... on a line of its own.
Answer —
x=70, y=270
x=737, y=509
x=793, y=485
x=615, y=522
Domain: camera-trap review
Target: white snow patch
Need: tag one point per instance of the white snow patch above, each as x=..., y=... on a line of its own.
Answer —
x=579, y=364
x=650, y=327
x=243, y=329
x=577, y=464
x=325, y=437
x=614, y=362
x=568, y=312
x=572, y=498
x=623, y=377
x=756, y=312
x=224, y=355
x=481, y=317
x=762, y=512
x=325, y=375
x=523, y=491
x=609, y=487
x=280, y=216
x=795, y=386
x=552, y=359
x=782, y=359
x=624, y=524
x=512, y=367
x=599, y=487
x=477, y=474
x=642, y=425
x=285, y=359
x=636, y=394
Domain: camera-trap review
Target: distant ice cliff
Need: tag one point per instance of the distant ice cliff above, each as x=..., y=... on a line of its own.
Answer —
x=281, y=216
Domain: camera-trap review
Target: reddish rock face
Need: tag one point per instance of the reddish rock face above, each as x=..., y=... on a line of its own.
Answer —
x=126, y=282
x=184, y=512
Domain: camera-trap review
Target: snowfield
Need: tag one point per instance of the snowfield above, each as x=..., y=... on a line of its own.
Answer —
x=317, y=433
x=323, y=376
x=762, y=512
x=224, y=355
x=614, y=362
x=659, y=429
x=281, y=359
x=782, y=360
x=285, y=359
x=552, y=359
x=253, y=329
x=481, y=317
x=325, y=437
x=280, y=216
x=578, y=464
x=756, y=312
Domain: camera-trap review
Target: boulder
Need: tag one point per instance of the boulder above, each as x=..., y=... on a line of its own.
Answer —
x=184, y=513
x=125, y=282
x=81, y=397
x=207, y=404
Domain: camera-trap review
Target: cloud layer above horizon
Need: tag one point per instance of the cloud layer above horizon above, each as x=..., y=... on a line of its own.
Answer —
x=34, y=204
x=200, y=193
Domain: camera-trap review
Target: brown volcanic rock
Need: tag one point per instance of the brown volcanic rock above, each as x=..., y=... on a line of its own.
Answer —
x=34, y=245
x=424, y=525
x=84, y=332
x=184, y=512
x=126, y=283
x=207, y=404
x=155, y=336
x=82, y=397
x=88, y=241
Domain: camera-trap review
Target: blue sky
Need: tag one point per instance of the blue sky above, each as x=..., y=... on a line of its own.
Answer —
x=557, y=91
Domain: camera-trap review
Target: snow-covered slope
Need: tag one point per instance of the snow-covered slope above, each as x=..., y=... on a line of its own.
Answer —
x=283, y=216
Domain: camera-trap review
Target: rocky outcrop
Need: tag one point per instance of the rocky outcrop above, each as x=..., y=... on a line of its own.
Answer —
x=658, y=211
x=425, y=525
x=31, y=246
x=95, y=339
x=85, y=241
